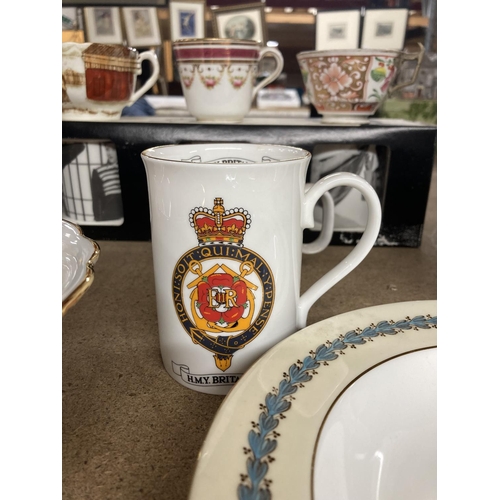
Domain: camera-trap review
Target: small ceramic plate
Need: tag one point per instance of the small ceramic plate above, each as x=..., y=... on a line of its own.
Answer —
x=343, y=409
x=79, y=254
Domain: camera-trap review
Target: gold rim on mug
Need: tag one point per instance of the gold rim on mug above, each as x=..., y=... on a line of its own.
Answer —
x=149, y=153
x=347, y=52
x=215, y=41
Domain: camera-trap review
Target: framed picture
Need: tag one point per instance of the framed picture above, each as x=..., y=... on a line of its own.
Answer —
x=69, y=18
x=102, y=25
x=338, y=29
x=244, y=22
x=141, y=26
x=187, y=19
x=384, y=29
x=76, y=36
x=115, y=2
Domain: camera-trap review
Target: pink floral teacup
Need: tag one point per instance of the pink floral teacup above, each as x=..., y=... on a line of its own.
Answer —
x=218, y=76
x=348, y=86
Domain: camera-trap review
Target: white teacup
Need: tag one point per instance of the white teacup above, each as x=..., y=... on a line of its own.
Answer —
x=218, y=76
x=226, y=229
x=99, y=80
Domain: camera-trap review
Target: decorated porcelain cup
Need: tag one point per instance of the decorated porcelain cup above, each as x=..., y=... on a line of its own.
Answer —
x=226, y=229
x=99, y=80
x=348, y=86
x=218, y=76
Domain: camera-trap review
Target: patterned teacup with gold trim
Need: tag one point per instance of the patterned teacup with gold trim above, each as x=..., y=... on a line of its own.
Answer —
x=99, y=80
x=348, y=86
x=218, y=76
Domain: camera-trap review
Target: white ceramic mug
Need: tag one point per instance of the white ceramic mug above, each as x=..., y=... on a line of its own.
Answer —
x=99, y=80
x=218, y=76
x=226, y=224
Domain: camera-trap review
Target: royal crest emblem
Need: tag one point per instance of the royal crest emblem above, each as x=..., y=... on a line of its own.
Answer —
x=223, y=292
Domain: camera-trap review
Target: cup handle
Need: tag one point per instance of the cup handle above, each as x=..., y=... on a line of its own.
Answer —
x=357, y=254
x=419, y=56
x=151, y=57
x=327, y=225
x=269, y=51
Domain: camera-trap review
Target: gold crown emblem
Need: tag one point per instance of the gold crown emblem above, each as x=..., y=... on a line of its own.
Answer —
x=220, y=226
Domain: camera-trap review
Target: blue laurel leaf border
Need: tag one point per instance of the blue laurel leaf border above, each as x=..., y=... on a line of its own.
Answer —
x=262, y=439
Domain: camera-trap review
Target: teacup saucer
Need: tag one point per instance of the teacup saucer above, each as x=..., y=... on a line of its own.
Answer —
x=221, y=121
x=343, y=120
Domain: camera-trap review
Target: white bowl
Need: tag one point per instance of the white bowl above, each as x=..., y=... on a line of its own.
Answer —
x=79, y=254
x=343, y=409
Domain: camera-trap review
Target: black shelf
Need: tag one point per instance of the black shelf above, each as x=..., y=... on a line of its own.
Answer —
x=410, y=159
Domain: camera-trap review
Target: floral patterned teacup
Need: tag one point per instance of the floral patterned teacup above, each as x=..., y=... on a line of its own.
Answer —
x=348, y=86
x=218, y=76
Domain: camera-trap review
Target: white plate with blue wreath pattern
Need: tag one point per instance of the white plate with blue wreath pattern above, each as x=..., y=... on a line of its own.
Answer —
x=343, y=409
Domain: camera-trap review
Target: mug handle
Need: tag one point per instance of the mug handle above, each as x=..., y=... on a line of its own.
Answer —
x=269, y=51
x=409, y=56
x=327, y=225
x=151, y=57
x=357, y=254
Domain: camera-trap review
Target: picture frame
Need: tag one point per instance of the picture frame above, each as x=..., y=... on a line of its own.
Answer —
x=70, y=18
x=159, y=3
x=187, y=19
x=384, y=29
x=75, y=36
x=103, y=25
x=141, y=26
x=338, y=29
x=244, y=22
x=168, y=60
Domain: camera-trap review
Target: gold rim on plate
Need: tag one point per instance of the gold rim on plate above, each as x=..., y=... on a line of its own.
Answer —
x=77, y=293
